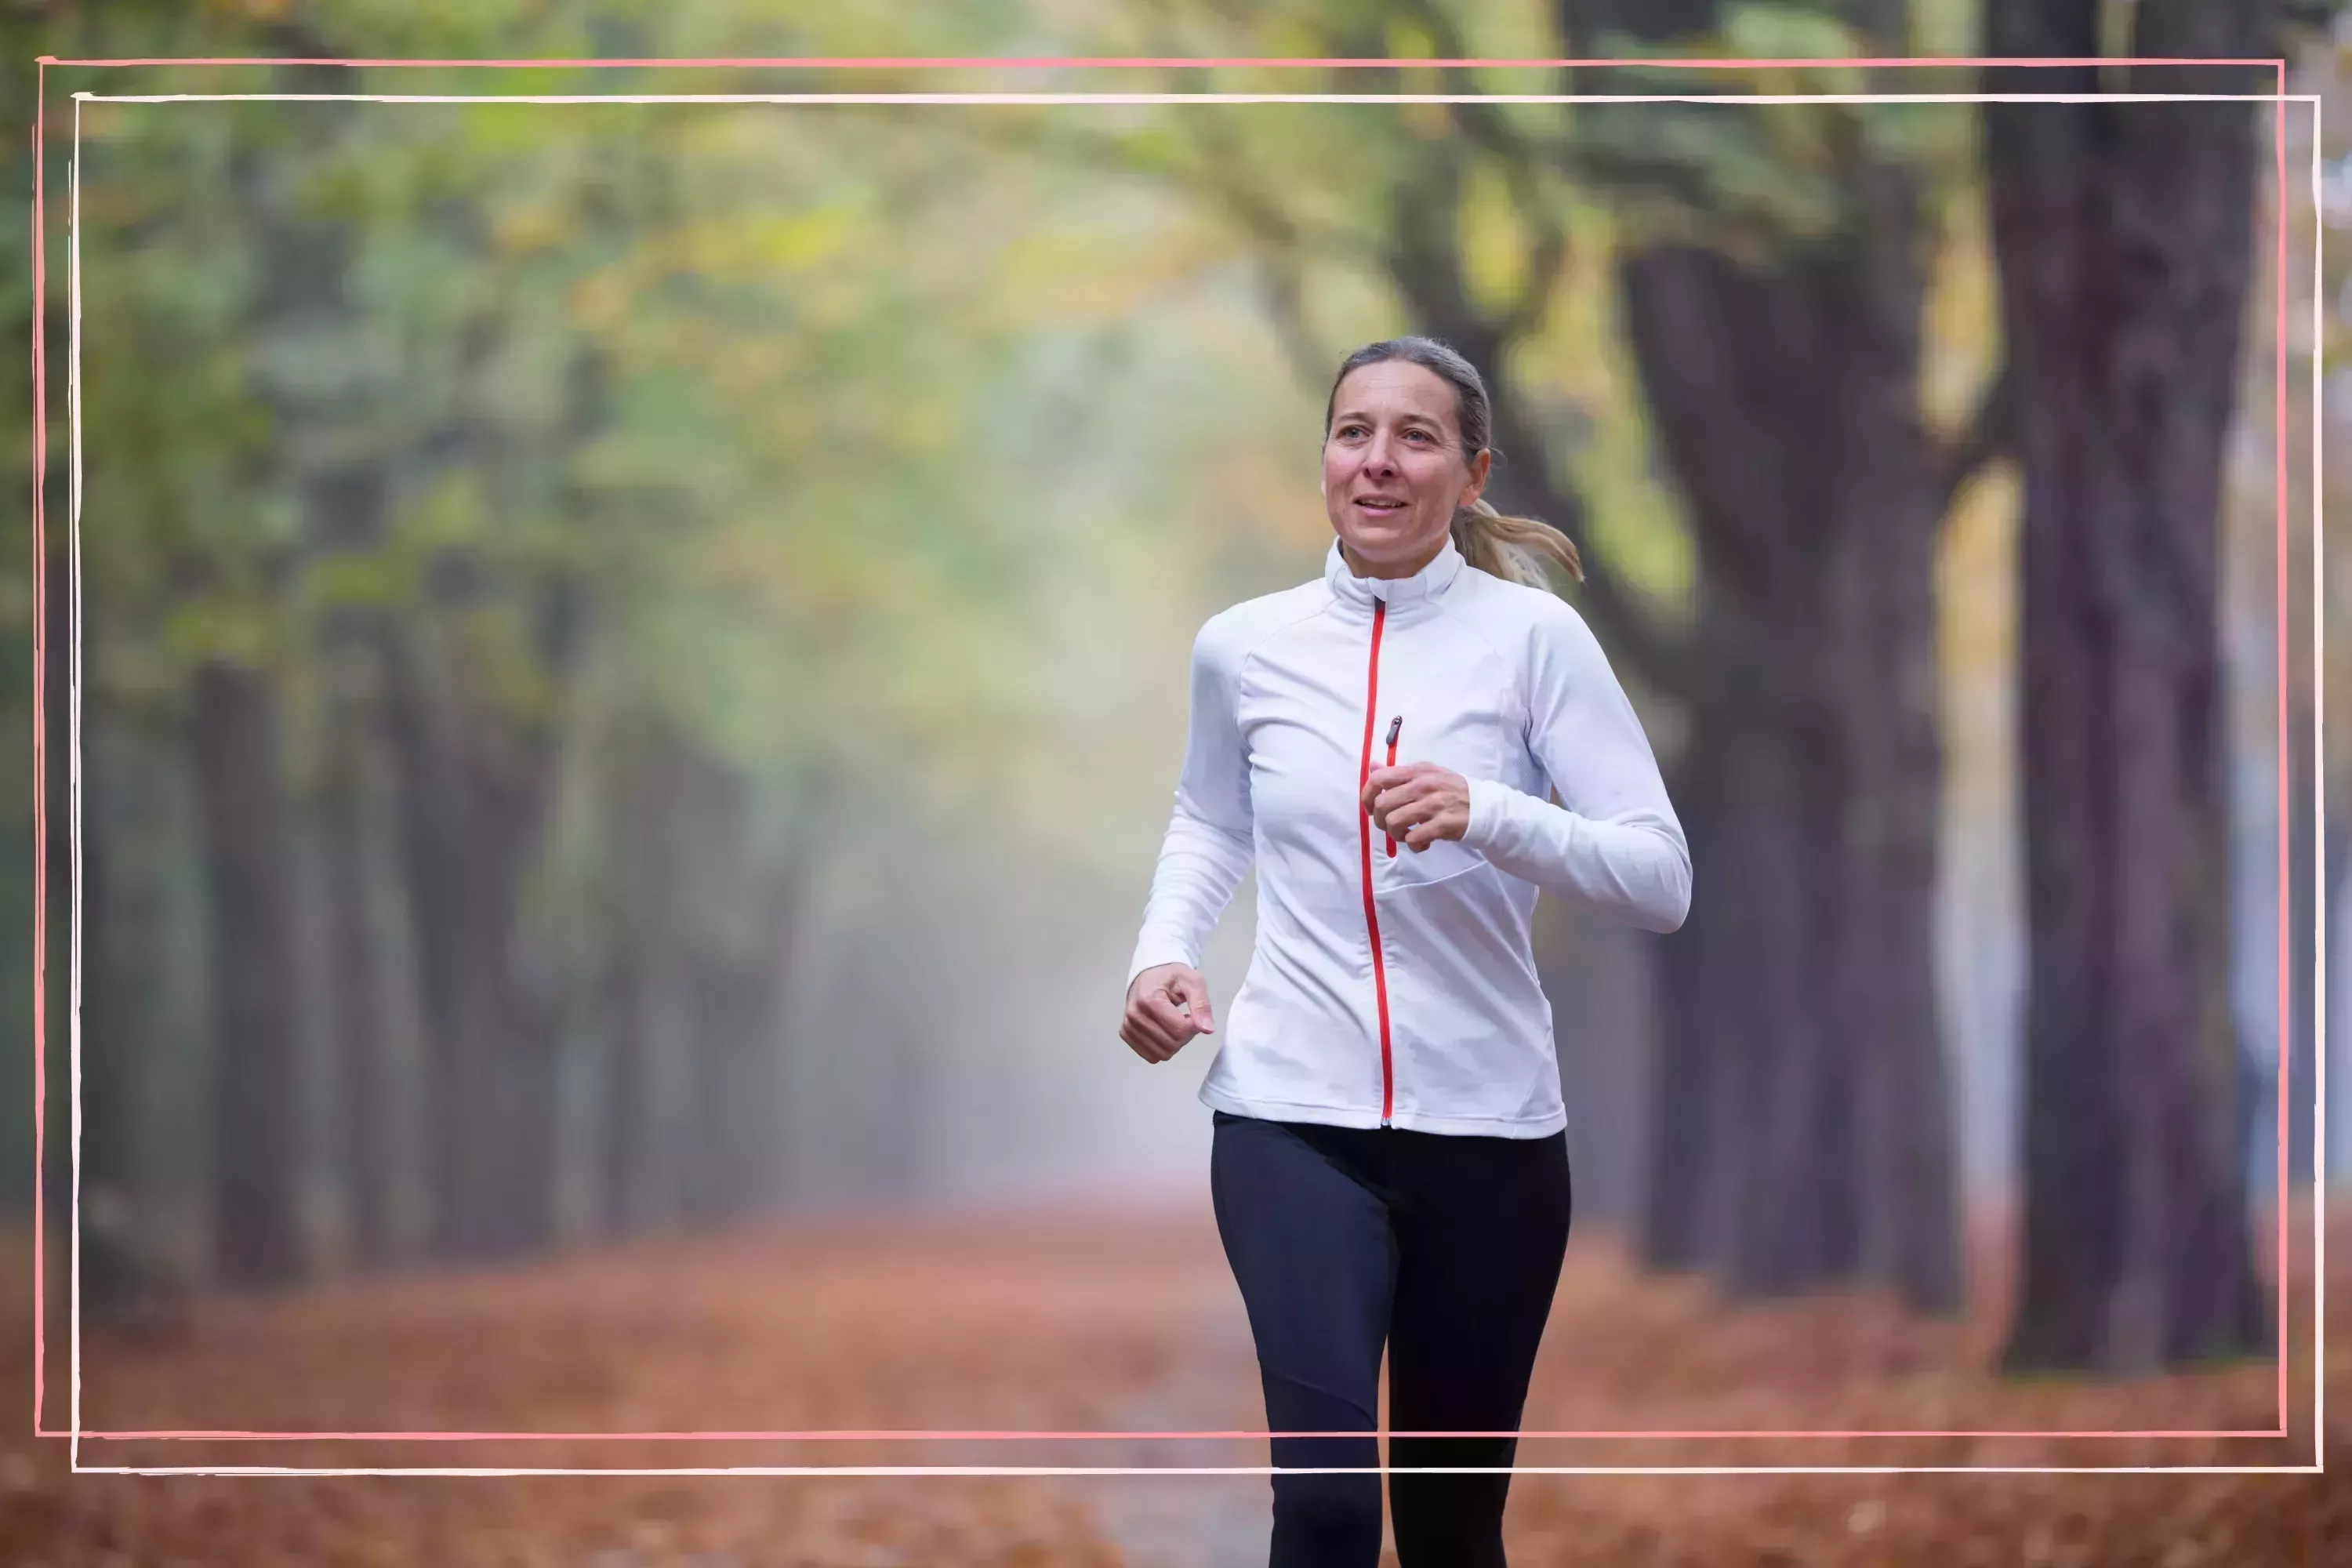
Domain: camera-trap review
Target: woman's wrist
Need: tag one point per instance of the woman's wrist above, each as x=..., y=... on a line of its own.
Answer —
x=1489, y=804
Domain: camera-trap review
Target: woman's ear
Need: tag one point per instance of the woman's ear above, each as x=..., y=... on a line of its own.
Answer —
x=1479, y=467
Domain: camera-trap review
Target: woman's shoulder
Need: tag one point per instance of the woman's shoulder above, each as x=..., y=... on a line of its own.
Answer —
x=1232, y=631
x=1517, y=616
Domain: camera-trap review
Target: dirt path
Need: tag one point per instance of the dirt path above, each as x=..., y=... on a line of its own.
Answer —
x=1210, y=1384
x=1046, y=1322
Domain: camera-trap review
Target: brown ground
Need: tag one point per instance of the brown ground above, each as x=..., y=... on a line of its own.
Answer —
x=1070, y=1322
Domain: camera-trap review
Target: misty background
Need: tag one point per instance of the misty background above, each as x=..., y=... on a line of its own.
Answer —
x=632, y=657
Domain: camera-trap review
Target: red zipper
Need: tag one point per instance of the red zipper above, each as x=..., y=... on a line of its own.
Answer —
x=1364, y=829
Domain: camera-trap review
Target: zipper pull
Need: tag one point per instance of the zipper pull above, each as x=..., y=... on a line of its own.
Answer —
x=1396, y=725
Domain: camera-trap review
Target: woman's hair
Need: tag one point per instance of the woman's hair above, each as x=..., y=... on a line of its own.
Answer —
x=1516, y=548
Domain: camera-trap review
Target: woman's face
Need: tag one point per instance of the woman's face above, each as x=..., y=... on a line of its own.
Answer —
x=1394, y=473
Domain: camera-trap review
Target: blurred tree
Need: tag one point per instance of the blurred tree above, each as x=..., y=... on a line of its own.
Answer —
x=2328, y=59
x=2125, y=238
x=182, y=645
x=2317, y=58
x=238, y=727
x=551, y=513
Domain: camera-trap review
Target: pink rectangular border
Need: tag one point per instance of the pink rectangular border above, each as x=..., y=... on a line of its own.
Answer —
x=40, y=428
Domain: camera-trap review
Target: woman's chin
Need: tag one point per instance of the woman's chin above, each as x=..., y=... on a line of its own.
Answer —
x=1382, y=547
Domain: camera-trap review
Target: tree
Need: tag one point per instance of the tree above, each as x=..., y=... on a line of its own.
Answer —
x=2124, y=236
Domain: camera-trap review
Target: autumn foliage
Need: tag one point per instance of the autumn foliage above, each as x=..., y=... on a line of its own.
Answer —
x=1057, y=1322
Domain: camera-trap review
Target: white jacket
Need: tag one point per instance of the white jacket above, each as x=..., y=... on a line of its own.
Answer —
x=1391, y=987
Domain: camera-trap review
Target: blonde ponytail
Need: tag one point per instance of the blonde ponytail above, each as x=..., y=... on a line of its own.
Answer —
x=1516, y=549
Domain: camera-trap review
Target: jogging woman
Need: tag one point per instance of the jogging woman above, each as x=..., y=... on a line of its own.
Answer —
x=1389, y=1167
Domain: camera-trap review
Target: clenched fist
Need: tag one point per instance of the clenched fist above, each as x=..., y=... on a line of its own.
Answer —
x=1417, y=803
x=1166, y=1006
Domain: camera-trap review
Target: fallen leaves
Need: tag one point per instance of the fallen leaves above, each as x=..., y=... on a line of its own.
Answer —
x=1042, y=1322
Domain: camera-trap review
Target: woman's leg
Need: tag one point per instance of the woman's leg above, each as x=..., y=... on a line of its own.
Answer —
x=1482, y=1225
x=1312, y=1252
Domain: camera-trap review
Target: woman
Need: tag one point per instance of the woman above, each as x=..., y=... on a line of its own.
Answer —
x=1389, y=1166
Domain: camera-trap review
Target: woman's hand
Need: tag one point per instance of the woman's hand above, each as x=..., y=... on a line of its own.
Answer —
x=1417, y=803
x=1166, y=1006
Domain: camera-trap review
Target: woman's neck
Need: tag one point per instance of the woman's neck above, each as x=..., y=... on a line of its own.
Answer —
x=1363, y=568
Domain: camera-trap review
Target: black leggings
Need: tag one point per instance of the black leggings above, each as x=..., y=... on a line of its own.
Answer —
x=1443, y=1248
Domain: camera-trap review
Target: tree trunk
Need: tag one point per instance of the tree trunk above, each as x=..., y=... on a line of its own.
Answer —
x=447, y=938
x=1801, y=1049
x=116, y=1240
x=725, y=1034
x=737, y=961
x=626, y=1142
x=634, y=1198
x=82, y=933
x=2297, y=1030
x=470, y=797
x=368, y=1080
x=1883, y=661
x=2122, y=235
x=2335, y=1156
x=244, y=811
x=55, y=982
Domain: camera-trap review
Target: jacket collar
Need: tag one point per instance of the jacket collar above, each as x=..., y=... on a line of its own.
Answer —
x=1402, y=593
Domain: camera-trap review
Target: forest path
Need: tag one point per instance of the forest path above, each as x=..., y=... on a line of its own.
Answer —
x=1053, y=1322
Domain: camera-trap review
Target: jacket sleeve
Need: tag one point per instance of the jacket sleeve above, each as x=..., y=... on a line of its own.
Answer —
x=1208, y=843
x=1613, y=845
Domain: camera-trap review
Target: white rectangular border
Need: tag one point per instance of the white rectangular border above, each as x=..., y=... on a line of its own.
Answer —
x=2319, y=894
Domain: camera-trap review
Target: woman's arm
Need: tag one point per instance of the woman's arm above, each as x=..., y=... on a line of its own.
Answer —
x=1208, y=847
x=1615, y=844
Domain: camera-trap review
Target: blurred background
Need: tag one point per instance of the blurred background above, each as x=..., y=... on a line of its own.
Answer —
x=631, y=667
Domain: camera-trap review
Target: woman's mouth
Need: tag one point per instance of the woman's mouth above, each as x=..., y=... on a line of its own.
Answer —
x=1381, y=505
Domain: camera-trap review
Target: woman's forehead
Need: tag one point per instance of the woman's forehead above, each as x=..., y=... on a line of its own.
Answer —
x=1397, y=387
